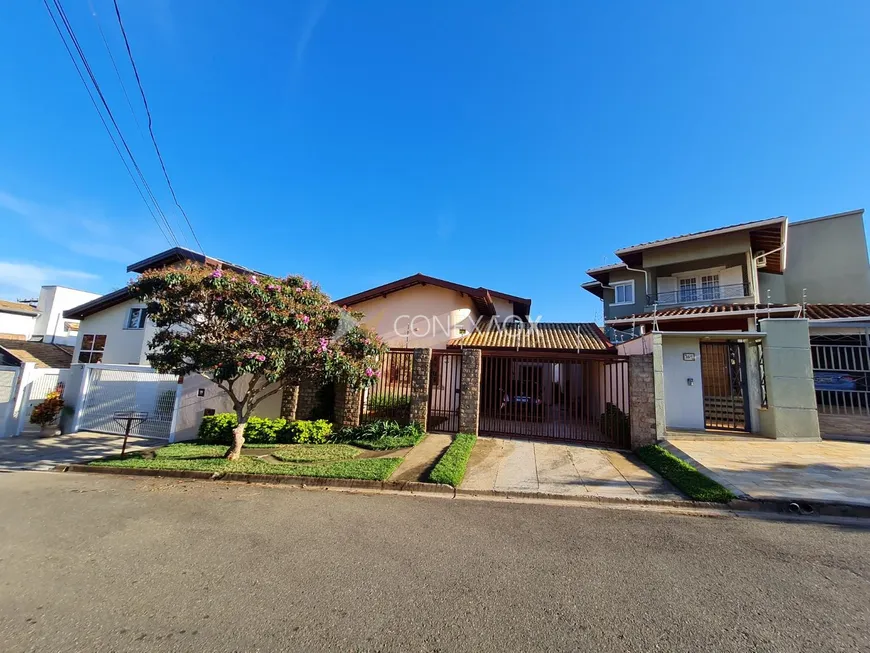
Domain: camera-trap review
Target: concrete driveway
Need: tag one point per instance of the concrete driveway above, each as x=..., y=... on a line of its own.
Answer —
x=511, y=465
x=33, y=453
x=767, y=469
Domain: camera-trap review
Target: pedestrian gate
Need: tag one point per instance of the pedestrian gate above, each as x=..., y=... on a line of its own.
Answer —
x=445, y=376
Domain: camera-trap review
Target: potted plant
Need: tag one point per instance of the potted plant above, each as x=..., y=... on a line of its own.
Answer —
x=46, y=414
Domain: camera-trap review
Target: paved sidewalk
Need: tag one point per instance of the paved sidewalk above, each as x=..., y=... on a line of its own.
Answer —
x=33, y=453
x=508, y=465
x=422, y=458
x=767, y=469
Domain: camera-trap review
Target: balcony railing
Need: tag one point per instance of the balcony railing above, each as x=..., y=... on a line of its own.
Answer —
x=700, y=294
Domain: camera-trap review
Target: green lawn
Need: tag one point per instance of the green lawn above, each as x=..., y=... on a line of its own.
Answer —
x=450, y=469
x=209, y=458
x=314, y=453
x=683, y=475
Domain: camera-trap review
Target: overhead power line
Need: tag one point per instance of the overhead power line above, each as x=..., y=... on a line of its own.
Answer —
x=151, y=126
x=170, y=236
x=115, y=66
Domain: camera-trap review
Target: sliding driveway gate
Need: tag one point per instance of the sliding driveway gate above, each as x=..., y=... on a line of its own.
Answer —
x=578, y=397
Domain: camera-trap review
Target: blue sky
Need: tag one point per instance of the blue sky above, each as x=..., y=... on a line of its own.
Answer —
x=505, y=144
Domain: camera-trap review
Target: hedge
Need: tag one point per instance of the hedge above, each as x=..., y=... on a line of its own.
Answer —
x=218, y=429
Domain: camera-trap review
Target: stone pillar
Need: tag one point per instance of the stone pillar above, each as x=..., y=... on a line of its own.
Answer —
x=791, y=412
x=642, y=400
x=306, y=398
x=347, y=405
x=289, y=401
x=469, y=398
x=420, y=386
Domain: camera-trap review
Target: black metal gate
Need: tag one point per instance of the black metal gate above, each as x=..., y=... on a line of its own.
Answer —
x=445, y=373
x=723, y=377
x=390, y=397
x=578, y=397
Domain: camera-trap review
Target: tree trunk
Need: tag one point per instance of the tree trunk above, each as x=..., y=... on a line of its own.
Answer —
x=235, y=451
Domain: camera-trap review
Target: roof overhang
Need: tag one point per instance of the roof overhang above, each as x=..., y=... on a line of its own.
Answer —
x=99, y=304
x=179, y=254
x=482, y=297
x=595, y=287
x=765, y=236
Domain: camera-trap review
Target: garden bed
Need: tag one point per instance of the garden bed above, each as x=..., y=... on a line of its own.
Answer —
x=682, y=475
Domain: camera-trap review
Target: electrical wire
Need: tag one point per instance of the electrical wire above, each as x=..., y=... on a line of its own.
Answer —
x=150, y=125
x=171, y=239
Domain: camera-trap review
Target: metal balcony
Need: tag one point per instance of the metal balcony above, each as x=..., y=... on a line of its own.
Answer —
x=702, y=294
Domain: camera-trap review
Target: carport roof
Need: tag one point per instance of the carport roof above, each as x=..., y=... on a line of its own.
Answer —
x=543, y=336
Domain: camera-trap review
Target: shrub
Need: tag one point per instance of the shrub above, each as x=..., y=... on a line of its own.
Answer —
x=262, y=430
x=306, y=432
x=615, y=424
x=383, y=435
x=390, y=408
x=218, y=429
x=48, y=411
x=450, y=468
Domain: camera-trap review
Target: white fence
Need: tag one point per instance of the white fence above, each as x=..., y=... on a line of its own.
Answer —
x=107, y=390
x=21, y=389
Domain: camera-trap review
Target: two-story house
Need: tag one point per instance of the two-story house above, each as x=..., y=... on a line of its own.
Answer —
x=715, y=286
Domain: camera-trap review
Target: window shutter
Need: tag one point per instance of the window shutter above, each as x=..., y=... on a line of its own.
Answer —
x=731, y=277
x=666, y=287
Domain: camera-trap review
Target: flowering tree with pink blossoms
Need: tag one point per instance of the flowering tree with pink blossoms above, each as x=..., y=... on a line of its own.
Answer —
x=252, y=335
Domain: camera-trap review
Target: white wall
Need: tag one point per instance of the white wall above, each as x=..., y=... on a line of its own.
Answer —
x=190, y=406
x=123, y=346
x=19, y=325
x=53, y=301
x=684, y=404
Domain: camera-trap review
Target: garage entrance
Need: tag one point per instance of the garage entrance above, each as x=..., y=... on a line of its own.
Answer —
x=111, y=390
x=579, y=397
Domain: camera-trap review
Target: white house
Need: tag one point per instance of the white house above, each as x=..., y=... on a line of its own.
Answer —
x=44, y=322
x=110, y=370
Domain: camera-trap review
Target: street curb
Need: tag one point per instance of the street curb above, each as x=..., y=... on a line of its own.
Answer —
x=791, y=507
x=273, y=479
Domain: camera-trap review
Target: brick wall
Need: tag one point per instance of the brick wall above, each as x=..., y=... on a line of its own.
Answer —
x=642, y=400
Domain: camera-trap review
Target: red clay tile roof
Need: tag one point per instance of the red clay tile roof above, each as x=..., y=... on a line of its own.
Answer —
x=44, y=354
x=544, y=336
x=17, y=307
x=708, y=311
x=837, y=311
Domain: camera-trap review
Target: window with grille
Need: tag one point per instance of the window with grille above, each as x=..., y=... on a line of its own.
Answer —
x=92, y=348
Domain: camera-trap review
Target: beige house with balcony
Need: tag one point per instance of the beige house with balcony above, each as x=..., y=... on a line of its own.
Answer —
x=706, y=296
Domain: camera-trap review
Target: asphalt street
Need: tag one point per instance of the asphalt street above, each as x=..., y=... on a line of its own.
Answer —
x=104, y=563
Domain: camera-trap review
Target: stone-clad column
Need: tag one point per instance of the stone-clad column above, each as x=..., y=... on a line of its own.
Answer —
x=642, y=400
x=469, y=399
x=420, y=387
x=289, y=401
x=347, y=406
